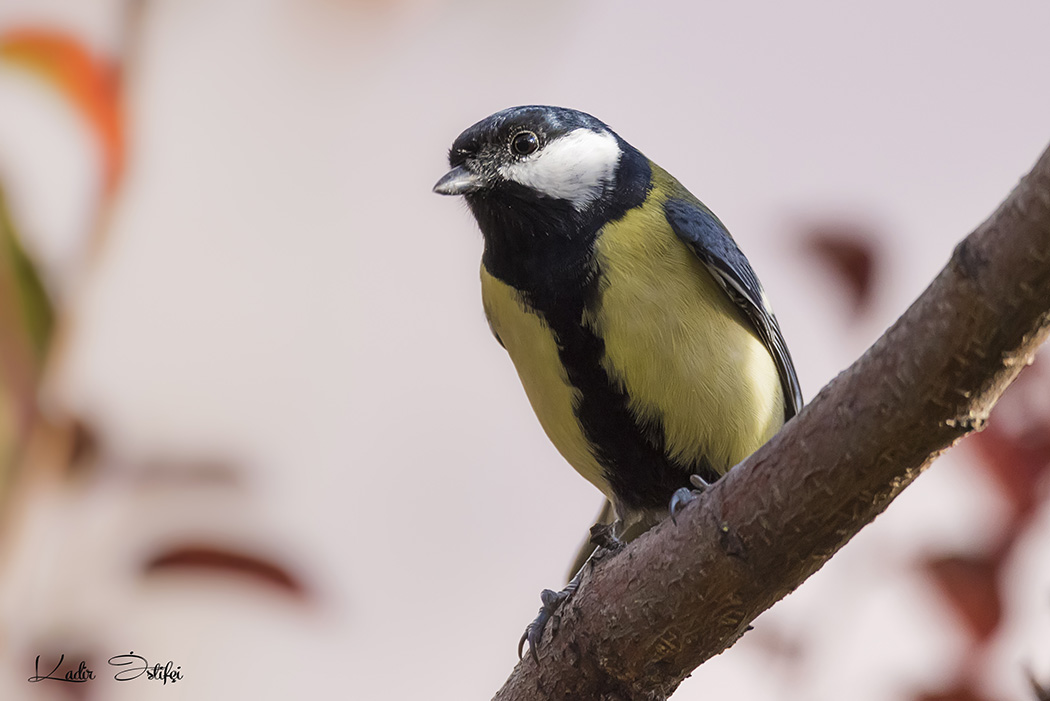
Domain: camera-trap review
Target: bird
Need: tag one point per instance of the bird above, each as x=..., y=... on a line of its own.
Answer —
x=641, y=334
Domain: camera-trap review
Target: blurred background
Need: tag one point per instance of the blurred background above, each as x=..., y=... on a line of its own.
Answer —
x=253, y=422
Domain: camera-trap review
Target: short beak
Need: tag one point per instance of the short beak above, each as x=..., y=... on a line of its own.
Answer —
x=458, y=181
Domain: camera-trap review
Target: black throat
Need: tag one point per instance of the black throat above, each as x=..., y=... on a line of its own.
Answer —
x=544, y=247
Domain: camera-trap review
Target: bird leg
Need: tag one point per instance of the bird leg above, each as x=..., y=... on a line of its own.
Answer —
x=603, y=537
x=684, y=495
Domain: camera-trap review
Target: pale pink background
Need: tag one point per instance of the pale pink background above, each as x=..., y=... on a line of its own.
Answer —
x=281, y=292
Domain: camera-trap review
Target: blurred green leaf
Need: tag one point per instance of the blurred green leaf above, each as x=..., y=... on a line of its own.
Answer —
x=19, y=275
x=26, y=322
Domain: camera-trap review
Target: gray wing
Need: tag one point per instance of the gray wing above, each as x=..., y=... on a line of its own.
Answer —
x=708, y=238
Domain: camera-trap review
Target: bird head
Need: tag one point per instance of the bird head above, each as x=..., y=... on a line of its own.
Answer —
x=541, y=182
x=535, y=154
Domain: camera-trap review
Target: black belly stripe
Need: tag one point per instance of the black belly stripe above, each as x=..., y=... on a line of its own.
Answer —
x=543, y=248
x=633, y=454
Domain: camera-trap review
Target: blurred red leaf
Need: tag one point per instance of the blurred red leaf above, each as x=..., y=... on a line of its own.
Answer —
x=1016, y=462
x=206, y=558
x=959, y=693
x=971, y=586
x=1014, y=448
x=846, y=249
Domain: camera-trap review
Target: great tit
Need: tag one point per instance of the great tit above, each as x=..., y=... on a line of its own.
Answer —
x=644, y=340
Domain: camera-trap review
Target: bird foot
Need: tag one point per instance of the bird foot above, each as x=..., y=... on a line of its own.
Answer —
x=603, y=537
x=552, y=601
x=684, y=496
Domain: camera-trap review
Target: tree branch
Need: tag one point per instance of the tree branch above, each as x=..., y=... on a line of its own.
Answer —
x=643, y=620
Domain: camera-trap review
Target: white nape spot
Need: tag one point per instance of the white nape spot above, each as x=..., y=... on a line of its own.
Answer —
x=576, y=167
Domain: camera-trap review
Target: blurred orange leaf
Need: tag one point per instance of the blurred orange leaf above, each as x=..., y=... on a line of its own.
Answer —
x=89, y=82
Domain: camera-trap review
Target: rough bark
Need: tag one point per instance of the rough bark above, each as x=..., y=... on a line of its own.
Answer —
x=643, y=620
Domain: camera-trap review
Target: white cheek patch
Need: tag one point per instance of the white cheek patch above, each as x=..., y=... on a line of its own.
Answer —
x=576, y=167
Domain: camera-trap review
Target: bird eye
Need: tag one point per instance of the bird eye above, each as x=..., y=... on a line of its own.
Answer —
x=524, y=143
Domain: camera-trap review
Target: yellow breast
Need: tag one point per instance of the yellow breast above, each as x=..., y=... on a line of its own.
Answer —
x=533, y=350
x=677, y=345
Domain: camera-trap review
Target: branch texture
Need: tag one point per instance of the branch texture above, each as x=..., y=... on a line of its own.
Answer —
x=643, y=620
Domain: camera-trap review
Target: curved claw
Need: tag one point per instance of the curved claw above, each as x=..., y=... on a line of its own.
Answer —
x=679, y=499
x=552, y=600
x=684, y=495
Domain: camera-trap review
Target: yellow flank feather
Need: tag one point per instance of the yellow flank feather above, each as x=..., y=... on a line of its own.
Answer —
x=532, y=347
x=677, y=345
